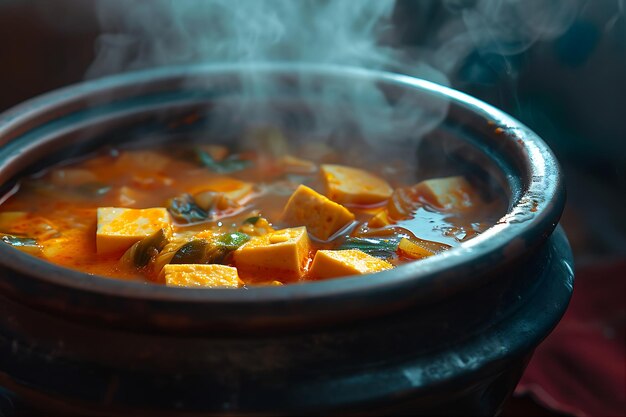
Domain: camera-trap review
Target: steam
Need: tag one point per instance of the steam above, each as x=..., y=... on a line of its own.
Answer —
x=501, y=27
x=359, y=33
x=165, y=32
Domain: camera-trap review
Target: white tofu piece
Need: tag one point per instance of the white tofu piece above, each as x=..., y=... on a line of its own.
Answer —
x=201, y=275
x=119, y=228
x=142, y=160
x=282, y=254
x=449, y=193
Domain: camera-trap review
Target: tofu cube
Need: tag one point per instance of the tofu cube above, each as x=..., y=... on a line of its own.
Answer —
x=349, y=185
x=232, y=188
x=282, y=254
x=10, y=219
x=321, y=216
x=119, y=228
x=201, y=275
x=297, y=165
x=450, y=193
x=339, y=263
x=380, y=219
x=128, y=196
x=412, y=250
x=132, y=161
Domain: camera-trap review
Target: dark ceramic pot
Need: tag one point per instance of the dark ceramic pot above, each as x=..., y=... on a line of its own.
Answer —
x=447, y=335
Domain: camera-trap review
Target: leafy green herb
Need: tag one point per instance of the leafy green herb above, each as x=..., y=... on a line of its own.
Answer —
x=230, y=164
x=143, y=251
x=252, y=220
x=232, y=241
x=26, y=244
x=202, y=251
x=373, y=246
x=185, y=210
x=192, y=252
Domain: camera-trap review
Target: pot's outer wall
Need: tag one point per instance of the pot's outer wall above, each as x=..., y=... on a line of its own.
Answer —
x=448, y=336
x=426, y=362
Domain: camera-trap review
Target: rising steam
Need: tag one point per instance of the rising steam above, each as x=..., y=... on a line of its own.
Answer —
x=166, y=32
x=362, y=33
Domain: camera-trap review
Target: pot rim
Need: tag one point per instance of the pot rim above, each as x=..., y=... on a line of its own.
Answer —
x=530, y=220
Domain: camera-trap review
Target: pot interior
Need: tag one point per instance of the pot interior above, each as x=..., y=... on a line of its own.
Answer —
x=367, y=115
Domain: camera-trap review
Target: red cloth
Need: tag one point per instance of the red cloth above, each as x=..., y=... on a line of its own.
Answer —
x=580, y=369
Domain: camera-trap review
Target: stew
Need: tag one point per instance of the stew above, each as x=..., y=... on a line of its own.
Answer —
x=209, y=216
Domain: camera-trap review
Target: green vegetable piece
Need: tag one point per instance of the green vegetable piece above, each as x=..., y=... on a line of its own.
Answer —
x=184, y=209
x=230, y=164
x=232, y=241
x=373, y=246
x=199, y=251
x=192, y=252
x=147, y=248
x=252, y=220
x=25, y=244
x=202, y=251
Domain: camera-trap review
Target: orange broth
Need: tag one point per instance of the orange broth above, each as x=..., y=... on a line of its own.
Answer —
x=57, y=208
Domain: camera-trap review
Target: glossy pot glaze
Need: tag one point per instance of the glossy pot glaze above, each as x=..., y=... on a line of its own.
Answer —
x=447, y=335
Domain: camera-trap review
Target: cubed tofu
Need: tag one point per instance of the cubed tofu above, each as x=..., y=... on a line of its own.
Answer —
x=141, y=160
x=9, y=219
x=118, y=228
x=318, y=151
x=412, y=250
x=201, y=275
x=321, y=216
x=339, y=263
x=231, y=188
x=151, y=180
x=62, y=249
x=295, y=165
x=283, y=253
x=450, y=193
x=349, y=185
x=380, y=219
x=128, y=196
x=34, y=226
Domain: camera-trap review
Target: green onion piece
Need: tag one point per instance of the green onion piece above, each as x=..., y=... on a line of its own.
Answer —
x=252, y=220
x=232, y=241
x=185, y=210
x=25, y=244
x=373, y=246
x=147, y=248
x=202, y=251
x=192, y=252
x=230, y=164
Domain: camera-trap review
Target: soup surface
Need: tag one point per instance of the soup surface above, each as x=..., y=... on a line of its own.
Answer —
x=210, y=216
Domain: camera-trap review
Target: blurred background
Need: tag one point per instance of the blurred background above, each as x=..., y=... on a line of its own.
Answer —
x=568, y=85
